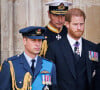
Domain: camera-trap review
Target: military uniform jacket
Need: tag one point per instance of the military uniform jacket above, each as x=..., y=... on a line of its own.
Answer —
x=62, y=55
x=52, y=36
x=21, y=67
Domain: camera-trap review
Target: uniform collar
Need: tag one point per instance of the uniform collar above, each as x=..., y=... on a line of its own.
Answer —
x=29, y=59
x=53, y=29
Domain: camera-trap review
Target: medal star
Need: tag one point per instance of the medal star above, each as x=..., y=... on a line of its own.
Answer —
x=58, y=37
x=46, y=88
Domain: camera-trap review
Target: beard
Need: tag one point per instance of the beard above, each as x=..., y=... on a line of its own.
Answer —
x=77, y=34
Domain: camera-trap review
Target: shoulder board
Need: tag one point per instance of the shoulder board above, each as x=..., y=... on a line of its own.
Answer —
x=48, y=60
x=13, y=57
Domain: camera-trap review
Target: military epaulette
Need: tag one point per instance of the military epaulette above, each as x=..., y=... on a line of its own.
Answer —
x=13, y=57
x=48, y=60
x=44, y=58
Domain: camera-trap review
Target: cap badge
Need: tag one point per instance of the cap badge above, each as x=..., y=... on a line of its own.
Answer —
x=61, y=6
x=38, y=32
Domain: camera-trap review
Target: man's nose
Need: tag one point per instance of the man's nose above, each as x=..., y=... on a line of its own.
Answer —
x=78, y=26
x=60, y=18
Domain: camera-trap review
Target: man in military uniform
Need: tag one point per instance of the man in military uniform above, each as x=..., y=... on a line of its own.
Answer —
x=55, y=28
x=29, y=71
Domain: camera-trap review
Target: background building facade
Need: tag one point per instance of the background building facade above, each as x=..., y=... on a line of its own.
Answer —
x=17, y=14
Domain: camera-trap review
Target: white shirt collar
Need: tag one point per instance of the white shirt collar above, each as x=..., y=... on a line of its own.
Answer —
x=29, y=59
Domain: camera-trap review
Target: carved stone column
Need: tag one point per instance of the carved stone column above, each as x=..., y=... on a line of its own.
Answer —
x=35, y=12
x=6, y=28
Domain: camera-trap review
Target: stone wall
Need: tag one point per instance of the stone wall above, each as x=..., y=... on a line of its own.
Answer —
x=16, y=14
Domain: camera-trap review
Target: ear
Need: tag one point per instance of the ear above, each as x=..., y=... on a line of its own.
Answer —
x=24, y=40
x=67, y=24
x=48, y=14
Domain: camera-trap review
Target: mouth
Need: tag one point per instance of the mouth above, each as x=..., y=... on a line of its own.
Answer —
x=37, y=49
x=79, y=31
x=59, y=23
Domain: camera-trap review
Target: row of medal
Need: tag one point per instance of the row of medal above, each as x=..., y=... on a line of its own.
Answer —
x=93, y=56
x=46, y=79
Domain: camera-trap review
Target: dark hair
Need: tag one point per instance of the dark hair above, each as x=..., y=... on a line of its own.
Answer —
x=74, y=12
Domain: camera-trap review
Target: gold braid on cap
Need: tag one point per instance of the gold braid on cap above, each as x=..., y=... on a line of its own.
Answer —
x=26, y=82
x=43, y=48
x=59, y=12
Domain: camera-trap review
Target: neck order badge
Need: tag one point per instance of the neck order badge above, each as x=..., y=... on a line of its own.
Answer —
x=58, y=37
x=76, y=51
x=76, y=48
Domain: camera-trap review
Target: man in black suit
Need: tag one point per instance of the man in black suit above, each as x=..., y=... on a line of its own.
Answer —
x=73, y=55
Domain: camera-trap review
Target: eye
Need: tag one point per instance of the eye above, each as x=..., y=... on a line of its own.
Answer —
x=33, y=40
x=75, y=24
x=81, y=23
x=39, y=40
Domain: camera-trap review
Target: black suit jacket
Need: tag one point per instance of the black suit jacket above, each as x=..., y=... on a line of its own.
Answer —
x=62, y=55
x=96, y=82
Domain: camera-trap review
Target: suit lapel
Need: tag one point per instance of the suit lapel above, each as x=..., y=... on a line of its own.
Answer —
x=68, y=54
x=25, y=64
x=86, y=57
x=27, y=67
x=38, y=66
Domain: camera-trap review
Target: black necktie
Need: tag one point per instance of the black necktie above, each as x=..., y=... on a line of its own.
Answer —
x=76, y=51
x=32, y=67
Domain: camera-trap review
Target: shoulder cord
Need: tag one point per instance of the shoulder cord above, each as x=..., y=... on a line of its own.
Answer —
x=44, y=48
x=0, y=67
x=26, y=82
